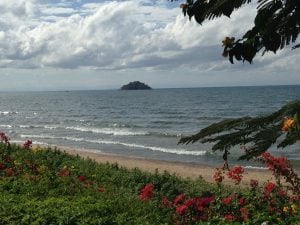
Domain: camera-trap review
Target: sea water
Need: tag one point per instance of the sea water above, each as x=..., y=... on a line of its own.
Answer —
x=142, y=123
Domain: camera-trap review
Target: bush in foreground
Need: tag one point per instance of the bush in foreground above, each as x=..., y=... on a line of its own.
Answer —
x=47, y=186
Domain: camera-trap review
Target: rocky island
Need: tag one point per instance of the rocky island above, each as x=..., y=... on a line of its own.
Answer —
x=136, y=85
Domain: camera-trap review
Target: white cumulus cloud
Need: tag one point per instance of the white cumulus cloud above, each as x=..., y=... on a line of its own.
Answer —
x=114, y=35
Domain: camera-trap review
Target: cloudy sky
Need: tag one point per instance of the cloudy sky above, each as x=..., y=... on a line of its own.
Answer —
x=94, y=44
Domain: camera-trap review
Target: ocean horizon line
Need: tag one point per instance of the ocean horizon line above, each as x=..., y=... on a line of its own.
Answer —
x=153, y=88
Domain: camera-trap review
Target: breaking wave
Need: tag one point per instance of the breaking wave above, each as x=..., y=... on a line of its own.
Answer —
x=132, y=145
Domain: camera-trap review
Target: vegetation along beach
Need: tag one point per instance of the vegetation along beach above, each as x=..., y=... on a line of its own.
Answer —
x=149, y=112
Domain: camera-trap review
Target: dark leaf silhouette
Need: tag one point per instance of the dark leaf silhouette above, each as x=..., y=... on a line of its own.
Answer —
x=276, y=25
x=258, y=133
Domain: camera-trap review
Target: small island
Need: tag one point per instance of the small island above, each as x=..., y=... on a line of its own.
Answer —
x=136, y=85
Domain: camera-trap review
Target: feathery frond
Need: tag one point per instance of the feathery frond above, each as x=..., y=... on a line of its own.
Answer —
x=259, y=132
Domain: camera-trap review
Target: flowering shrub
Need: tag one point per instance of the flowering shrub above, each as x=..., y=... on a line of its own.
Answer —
x=31, y=170
x=189, y=209
x=271, y=203
x=80, y=186
x=281, y=167
x=4, y=139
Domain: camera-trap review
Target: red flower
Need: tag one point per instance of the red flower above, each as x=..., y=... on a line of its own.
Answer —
x=282, y=193
x=147, y=192
x=236, y=174
x=244, y=214
x=218, y=176
x=2, y=166
x=4, y=138
x=179, y=199
x=10, y=172
x=207, y=200
x=64, y=173
x=227, y=200
x=229, y=217
x=27, y=144
x=82, y=178
x=279, y=165
x=295, y=198
x=166, y=202
x=253, y=183
x=101, y=189
x=181, y=210
x=242, y=201
x=269, y=187
x=191, y=202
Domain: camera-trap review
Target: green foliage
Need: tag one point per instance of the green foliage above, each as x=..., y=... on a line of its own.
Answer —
x=259, y=132
x=276, y=24
x=39, y=193
x=44, y=186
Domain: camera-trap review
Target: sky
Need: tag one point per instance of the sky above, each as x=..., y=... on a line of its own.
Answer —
x=90, y=44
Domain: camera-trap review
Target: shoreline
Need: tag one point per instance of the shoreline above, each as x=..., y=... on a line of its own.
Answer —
x=181, y=169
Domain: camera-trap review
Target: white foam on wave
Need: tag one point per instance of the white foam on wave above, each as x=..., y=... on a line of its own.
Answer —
x=26, y=126
x=50, y=137
x=33, y=142
x=5, y=126
x=38, y=126
x=8, y=113
x=153, y=148
x=50, y=127
x=255, y=167
x=116, y=132
x=36, y=136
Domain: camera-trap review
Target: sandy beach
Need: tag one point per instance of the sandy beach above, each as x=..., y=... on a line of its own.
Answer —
x=190, y=170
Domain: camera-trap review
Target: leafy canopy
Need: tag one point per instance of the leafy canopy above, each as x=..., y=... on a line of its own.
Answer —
x=276, y=25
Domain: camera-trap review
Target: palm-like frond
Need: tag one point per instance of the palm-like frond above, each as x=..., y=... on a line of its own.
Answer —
x=259, y=132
